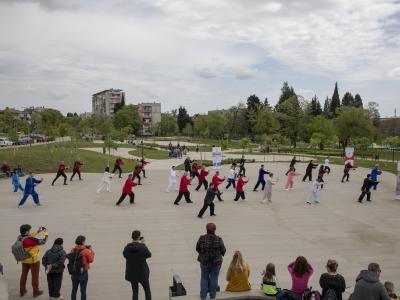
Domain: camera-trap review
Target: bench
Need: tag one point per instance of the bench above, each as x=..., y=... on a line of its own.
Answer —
x=252, y=294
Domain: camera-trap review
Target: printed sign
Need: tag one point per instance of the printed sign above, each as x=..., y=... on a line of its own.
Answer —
x=398, y=182
x=349, y=155
x=216, y=158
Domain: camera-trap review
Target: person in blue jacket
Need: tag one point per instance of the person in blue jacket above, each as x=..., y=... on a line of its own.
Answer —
x=374, y=175
x=30, y=184
x=15, y=181
x=261, y=180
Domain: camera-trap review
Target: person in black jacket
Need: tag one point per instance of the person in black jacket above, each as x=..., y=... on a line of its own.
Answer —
x=137, y=271
x=366, y=188
x=53, y=260
x=332, y=280
x=309, y=169
x=188, y=165
x=208, y=201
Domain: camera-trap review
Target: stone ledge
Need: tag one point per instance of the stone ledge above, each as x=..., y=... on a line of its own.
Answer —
x=252, y=294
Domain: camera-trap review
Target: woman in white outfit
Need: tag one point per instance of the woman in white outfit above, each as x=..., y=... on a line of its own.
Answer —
x=268, y=188
x=105, y=181
x=315, y=187
x=172, y=180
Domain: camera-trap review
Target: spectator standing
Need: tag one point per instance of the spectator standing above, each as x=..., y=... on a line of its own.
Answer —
x=211, y=249
x=238, y=274
x=137, y=271
x=331, y=281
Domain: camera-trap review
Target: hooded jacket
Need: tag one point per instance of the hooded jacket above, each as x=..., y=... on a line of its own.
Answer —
x=137, y=269
x=55, y=257
x=334, y=282
x=368, y=287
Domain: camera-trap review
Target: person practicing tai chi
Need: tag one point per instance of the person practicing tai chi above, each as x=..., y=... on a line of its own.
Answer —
x=76, y=170
x=183, y=189
x=290, y=175
x=61, y=172
x=117, y=166
x=6, y=169
x=309, y=169
x=29, y=190
x=15, y=181
x=208, y=202
x=136, y=173
x=143, y=163
x=374, y=175
x=232, y=177
x=172, y=180
x=260, y=180
x=195, y=170
x=216, y=181
x=366, y=188
x=346, y=172
x=321, y=173
x=268, y=188
x=127, y=191
x=188, y=164
x=240, y=188
x=202, y=178
x=105, y=181
x=327, y=167
x=242, y=169
x=293, y=162
x=315, y=187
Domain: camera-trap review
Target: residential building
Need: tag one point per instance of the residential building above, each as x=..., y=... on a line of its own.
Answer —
x=104, y=102
x=151, y=115
x=25, y=114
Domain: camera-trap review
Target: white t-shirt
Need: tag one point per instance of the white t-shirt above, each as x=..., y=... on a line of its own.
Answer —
x=326, y=164
x=232, y=174
x=173, y=174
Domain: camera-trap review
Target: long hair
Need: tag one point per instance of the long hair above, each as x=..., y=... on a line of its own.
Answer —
x=300, y=266
x=269, y=273
x=237, y=265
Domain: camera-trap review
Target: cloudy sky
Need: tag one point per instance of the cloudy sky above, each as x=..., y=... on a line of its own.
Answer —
x=203, y=54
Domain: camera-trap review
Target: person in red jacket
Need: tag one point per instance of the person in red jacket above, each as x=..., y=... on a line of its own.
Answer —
x=183, y=189
x=127, y=190
x=143, y=163
x=239, y=188
x=136, y=173
x=216, y=182
x=202, y=178
x=76, y=170
x=61, y=172
x=117, y=166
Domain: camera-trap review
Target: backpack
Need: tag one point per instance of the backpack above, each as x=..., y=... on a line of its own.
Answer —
x=18, y=250
x=309, y=294
x=330, y=295
x=75, y=263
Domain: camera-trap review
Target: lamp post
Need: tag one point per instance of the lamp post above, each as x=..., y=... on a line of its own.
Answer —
x=142, y=142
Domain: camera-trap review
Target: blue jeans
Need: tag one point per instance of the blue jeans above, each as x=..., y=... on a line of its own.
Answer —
x=81, y=281
x=209, y=281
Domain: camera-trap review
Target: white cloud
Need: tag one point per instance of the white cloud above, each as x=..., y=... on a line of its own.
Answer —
x=394, y=73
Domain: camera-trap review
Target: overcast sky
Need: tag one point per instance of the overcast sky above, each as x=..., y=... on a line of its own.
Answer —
x=203, y=54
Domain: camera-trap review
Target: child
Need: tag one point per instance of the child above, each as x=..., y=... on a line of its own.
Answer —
x=315, y=186
x=290, y=174
x=389, y=286
x=15, y=181
x=105, y=180
x=268, y=188
x=270, y=284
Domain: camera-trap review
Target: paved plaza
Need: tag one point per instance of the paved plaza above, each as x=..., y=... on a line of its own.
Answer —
x=339, y=227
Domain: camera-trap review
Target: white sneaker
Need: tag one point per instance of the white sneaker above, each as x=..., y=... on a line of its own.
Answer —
x=262, y=202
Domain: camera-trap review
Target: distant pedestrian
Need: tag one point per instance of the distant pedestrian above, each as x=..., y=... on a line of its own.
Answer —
x=117, y=166
x=240, y=188
x=261, y=179
x=172, y=179
x=53, y=262
x=127, y=191
x=366, y=188
x=76, y=170
x=29, y=190
x=183, y=189
x=137, y=271
x=15, y=181
x=203, y=178
x=105, y=181
x=61, y=173
x=208, y=202
x=309, y=169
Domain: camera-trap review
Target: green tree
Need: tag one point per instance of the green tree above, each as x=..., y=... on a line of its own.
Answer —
x=128, y=116
x=335, y=101
x=290, y=117
x=327, y=107
x=348, y=99
x=353, y=122
x=118, y=106
x=287, y=92
x=358, y=101
x=244, y=143
x=168, y=125
x=392, y=141
x=263, y=121
x=237, y=122
x=321, y=129
x=253, y=103
x=216, y=125
x=183, y=118
x=200, y=126
x=315, y=107
x=373, y=110
x=63, y=129
x=188, y=130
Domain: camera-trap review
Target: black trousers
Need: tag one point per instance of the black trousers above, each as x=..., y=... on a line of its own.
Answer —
x=363, y=193
x=119, y=170
x=327, y=169
x=218, y=194
x=181, y=194
x=231, y=182
x=262, y=182
x=76, y=172
x=138, y=177
x=144, y=173
x=135, y=289
x=54, y=282
x=59, y=174
x=309, y=175
x=239, y=195
x=242, y=170
x=347, y=176
x=205, y=183
x=123, y=196
x=204, y=208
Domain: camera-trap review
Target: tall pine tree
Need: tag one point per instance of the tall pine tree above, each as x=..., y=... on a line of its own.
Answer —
x=315, y=106
x=183, y=118
x=335, y=102
x=327, y=107
x=358, y=101
x=348, y=99
x=286, y=93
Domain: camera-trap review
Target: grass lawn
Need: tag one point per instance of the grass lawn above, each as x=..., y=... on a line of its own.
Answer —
x=150, y=153
x=45, y=158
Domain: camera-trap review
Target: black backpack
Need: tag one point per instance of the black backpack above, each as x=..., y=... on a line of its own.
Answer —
x=330, y=295
x=309, y=294
x=75, y=263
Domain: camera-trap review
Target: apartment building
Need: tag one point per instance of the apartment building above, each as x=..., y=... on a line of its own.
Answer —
x=104, y=102
x=151, y=115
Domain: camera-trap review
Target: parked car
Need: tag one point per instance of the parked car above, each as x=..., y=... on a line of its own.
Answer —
x=26, y=140
x=4, y=142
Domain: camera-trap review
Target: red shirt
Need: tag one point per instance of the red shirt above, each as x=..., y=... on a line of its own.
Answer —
x=77, y=165
x=216, y=181
x=61, y=168
x=240, y=185
x=119, y=162
x=129, y=184
x=183, y=186
x=137, y=170
x=203, y=175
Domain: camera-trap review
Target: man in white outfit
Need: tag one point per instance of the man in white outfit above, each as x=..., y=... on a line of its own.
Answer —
x=172, y=180
x=105, y=181
x=315, y=187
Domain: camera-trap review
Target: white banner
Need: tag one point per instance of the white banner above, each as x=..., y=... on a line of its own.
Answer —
x=216, y=158
x=349, y=155
x=398, y=182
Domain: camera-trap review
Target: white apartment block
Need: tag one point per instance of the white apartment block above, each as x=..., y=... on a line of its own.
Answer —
x=104, y=102
x=151, y=115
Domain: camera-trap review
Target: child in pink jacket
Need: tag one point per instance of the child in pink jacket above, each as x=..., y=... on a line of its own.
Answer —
x=290, y=174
